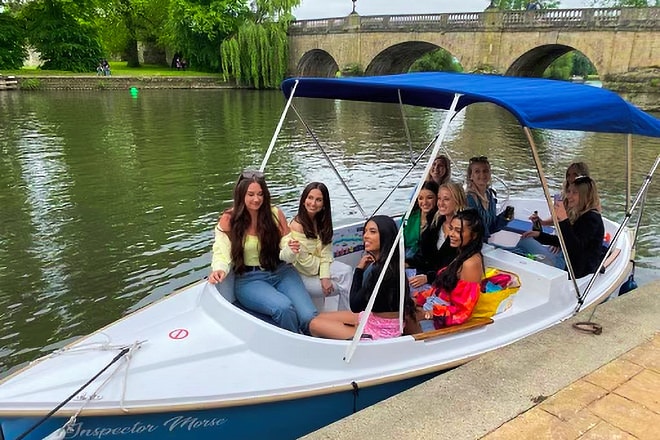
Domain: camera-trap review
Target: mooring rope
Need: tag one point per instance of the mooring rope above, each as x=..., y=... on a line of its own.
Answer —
x=125, y=351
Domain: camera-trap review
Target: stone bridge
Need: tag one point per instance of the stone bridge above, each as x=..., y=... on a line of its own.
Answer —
x=516, y=43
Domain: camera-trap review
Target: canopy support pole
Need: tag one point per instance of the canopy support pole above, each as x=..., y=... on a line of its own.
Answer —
x=350, y=350
x=629, y=147
x=641, y=194
x=551, y=206
x=332, y=165
x=279, y=128
x=405, y=126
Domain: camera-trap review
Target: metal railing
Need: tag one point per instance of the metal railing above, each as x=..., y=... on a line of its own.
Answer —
x=596, y=18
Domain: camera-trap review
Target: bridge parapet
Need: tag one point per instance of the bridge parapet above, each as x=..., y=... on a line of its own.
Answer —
x=590, y=18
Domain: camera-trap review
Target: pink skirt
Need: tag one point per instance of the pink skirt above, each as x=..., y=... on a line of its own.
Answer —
x=380, y=328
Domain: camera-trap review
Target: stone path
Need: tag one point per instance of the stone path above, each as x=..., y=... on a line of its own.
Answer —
x=620, y=400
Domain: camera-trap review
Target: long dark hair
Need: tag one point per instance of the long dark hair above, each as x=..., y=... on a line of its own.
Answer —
x=387, y=231
x=268, y=229
x=448, y=278
x=322, y=221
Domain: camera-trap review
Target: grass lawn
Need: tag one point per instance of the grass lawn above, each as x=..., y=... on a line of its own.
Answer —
x=116, y=68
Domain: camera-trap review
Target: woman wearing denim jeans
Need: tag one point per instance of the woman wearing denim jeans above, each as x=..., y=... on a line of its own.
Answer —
x=247, y=240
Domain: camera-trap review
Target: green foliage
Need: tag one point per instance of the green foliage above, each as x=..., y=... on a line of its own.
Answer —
x=512, y=5
x=582, y=66
x=485, y=68
x=65, y=41
x=197, y=28
x=352, y=69
x=256, y=56
x=30, y=83
x=624, y=3
x=438, y=60
x=561, y=67
x=12, y=42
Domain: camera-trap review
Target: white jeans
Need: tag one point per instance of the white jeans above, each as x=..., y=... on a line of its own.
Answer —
x=341, y=275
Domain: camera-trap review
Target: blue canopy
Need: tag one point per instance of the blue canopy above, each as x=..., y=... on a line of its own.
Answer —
x=535, y=102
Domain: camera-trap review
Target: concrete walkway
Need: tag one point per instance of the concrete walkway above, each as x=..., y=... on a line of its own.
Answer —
x=557, y=384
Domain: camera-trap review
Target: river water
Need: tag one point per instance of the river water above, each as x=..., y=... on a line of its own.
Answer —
x=107, y=201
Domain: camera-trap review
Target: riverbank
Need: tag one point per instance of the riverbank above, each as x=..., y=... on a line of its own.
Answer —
x=121, y=82
x=559, y=383
x=642, y=92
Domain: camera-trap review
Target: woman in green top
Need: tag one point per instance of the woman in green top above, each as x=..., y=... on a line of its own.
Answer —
x=420, y=217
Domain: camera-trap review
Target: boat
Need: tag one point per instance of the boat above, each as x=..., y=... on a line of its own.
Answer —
x=194, y=365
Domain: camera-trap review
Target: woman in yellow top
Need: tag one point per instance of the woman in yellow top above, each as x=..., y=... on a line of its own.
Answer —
x=309, y=248
x=247, y=240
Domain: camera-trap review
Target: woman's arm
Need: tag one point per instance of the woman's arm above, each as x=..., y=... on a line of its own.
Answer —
x=282, y=223
x=221, y=258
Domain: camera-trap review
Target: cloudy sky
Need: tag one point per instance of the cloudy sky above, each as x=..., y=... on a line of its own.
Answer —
x=339, y=8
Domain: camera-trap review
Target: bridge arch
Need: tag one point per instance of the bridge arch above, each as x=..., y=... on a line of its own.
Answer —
x=399, y=57
x=534, y=62
x=318, y=63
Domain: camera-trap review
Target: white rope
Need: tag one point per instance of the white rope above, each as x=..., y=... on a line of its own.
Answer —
x=72, y=420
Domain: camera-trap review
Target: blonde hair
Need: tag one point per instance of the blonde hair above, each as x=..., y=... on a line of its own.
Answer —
x=447, y=177
x=588, y=199
x=470, y=186
x=457, y=194
x=581, y=169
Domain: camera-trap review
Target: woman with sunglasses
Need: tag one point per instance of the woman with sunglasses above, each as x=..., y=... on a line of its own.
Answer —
x=482, y=197
x=574, y=170
x=309, y=248
x=247, y=241
x=455, y=291
x=581, y=226
x=383, y=321
x=435, y=251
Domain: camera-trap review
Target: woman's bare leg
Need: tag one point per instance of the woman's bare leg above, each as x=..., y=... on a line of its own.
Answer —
x=334, y=325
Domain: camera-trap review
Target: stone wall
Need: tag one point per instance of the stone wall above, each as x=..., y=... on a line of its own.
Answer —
x=120, y=82
x=641, y=87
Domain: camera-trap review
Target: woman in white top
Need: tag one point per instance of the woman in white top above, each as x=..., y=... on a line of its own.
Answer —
x=309, y=248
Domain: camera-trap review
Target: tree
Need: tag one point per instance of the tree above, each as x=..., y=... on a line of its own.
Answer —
x=122, y=23
x=512, y=5
x=256, y=54
x=438, y=60
x=624, y=3
x=197, y=28
x=12, y=42
x=561, y=67
x=582, y=66
x=63, y=33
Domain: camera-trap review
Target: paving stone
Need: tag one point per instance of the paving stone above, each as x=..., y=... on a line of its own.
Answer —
x=605, y=431
x=611, y=375
x=568, y=402
x=643, y=389
x=628, y=416
x=646, y=355
x=534, y=424
x=584, y=421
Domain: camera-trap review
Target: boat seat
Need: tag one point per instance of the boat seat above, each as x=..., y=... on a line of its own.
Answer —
x=470, y=324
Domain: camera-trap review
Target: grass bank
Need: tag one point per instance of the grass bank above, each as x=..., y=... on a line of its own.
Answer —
x=117, y=68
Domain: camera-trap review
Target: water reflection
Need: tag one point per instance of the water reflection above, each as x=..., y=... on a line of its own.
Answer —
x=108, y=202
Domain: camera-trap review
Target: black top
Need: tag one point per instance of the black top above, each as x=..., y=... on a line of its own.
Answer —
x=387, y=299
x=429, y=259
x=584, y=242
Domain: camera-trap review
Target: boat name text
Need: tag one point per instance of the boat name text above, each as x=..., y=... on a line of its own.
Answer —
x=178, y=423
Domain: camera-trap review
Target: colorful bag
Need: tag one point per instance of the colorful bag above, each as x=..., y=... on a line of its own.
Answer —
x=498, y=289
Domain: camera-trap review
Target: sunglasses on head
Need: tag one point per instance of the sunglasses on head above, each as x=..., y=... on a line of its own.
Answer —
x=251, y=174
x=582, y=179
x=478, y=159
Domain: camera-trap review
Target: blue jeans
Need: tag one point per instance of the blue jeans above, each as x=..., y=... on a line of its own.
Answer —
x=279, y=294
x=529, y=246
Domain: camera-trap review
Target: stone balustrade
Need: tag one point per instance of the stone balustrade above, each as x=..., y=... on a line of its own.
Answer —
x=595, y=18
